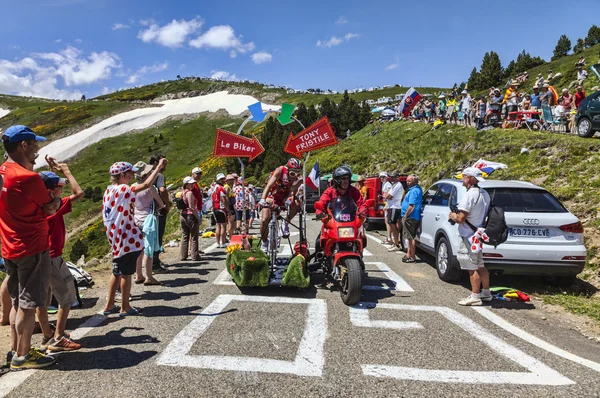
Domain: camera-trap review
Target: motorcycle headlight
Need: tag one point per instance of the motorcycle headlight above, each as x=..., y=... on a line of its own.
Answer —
x=346, y=232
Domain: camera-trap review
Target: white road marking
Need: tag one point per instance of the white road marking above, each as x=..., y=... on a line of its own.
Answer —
x=12, y=380
x=539, y=374
x=400, y=284
x=359, y=316
x=374, y=238
x=309, y=359
x=224, y=279
x=366, y=253
x=490, y=316
x=210, y=248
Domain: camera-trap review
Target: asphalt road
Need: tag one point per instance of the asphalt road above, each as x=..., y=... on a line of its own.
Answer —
x=200, y=336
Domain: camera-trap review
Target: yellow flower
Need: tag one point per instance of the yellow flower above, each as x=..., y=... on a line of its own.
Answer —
x=232, y=248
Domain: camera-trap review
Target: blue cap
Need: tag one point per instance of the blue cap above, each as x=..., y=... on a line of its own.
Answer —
x=20, y=133
x=51, y=180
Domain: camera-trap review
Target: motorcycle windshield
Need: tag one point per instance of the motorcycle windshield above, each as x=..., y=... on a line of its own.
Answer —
x=343, y=209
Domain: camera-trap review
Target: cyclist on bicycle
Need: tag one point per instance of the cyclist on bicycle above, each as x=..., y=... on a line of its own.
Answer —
x=281, y=191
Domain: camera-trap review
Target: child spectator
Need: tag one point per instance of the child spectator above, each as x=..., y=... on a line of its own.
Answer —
x=125, y=238
x=62, y=284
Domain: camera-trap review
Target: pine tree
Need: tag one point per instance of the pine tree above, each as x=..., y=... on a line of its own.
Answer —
x=491, y=70
x=579, y=47
x=313, y=116
x=510, y=69
x=329, y=109
x=474, y=82
x=301, y=114
x=563, y=46
x=593, y=36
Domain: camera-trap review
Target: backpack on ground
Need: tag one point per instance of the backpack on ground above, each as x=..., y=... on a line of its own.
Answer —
x=494, y=225
x=82, y=277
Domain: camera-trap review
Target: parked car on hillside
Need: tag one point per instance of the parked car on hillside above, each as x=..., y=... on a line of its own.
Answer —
x=588, y=116
x=544, y=237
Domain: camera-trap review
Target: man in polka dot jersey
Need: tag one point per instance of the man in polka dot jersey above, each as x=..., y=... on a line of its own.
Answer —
x=125, y=238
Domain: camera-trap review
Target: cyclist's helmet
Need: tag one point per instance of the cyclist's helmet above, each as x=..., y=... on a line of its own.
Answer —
x=342, y=171
x=294, y=164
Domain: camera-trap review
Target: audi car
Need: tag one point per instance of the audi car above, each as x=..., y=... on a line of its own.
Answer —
x=544, y=237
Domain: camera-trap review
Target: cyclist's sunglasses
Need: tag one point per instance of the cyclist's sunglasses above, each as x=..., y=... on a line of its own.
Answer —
x=294, y=173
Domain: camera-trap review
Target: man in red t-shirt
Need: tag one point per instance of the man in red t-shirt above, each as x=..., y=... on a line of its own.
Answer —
x=24, y=205
x=579, y=96
x=61, y=281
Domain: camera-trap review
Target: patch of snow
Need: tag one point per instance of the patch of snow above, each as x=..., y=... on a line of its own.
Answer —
x=138, y=119
x=4, y=112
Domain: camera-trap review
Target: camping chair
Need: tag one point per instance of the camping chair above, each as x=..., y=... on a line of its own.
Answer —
x=532, y=123
x=548, y=122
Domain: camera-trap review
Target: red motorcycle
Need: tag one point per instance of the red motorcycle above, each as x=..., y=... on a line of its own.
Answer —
x=342, y=241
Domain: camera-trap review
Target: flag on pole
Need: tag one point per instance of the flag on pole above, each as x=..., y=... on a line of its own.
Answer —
x=411, y=98
x=313, y=178
x=488, y=167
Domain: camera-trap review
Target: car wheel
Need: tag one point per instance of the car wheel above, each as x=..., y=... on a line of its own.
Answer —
x=584, y=128
x=445, y=263
x=368, y=225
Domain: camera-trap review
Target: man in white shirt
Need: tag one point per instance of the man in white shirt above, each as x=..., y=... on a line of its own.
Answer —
x=385, y=187
x=472, y=211
x=394, y=197
x=466, y=107
x=581, y=75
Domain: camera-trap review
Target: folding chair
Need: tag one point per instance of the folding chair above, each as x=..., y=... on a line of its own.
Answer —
x=531, y=123
x=548, y=122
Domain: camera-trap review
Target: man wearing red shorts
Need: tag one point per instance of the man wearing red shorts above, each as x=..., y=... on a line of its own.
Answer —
x=280, y=191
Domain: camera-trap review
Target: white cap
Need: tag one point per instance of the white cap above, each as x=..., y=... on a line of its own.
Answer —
x=464, y=92
x=383, y=174
x=220, y=176
x=196, y=170
x=473, y=172
x=188, y=180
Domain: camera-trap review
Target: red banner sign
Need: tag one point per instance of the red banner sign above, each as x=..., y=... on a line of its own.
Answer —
x=318, y=135
x=230, y=145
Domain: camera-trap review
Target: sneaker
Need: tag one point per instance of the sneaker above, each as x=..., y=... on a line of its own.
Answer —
x=33, y=360
x=387, y=242
x=394, y=249
x=9, y=356
x=470, y=301
x=407, y=259
x=486, y=297
x=45, y=342
x=63, y=344
x=265, y=246
x=285, y=229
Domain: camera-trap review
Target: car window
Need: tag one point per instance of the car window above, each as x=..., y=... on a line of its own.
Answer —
x=525, y=200
x=442, y=198
x=454, y=197
x=429, y=194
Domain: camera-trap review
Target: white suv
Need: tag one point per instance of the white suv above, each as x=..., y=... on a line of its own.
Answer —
x=544, y=237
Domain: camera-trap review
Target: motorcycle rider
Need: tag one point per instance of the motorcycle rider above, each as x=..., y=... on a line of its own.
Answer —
x=340, y=186
x=281, y=191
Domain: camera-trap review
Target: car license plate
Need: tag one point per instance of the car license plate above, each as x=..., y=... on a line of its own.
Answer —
x=534, y=232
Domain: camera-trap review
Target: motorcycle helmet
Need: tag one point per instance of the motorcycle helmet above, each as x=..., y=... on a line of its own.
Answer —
x=294, y=164
x=342, y=171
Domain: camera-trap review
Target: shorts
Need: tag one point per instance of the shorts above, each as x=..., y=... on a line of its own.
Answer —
x=409, y=228
x=220, y=216
x=29, y=278
x=278, y=200
x=62, y=283
x=466, y=258
x=393, y=215
x=125, y=265
x=239, y=215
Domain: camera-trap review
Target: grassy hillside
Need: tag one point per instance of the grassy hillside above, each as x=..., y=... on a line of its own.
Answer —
x=54, y=119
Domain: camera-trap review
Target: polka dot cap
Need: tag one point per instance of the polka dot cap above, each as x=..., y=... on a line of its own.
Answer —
x=121, y=167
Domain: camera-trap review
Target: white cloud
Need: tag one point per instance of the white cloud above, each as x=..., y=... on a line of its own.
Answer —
x=171, y=35
x=341, y=20
x=144, y=70
x=261, y=57
x=222, y=37
x=39, y=74
x=334, y=40
x=391, y=66
x=105, y=90
x=78, y=41
x=119, y=26
x=222, y=75
x=58, y=41
x=233, y=53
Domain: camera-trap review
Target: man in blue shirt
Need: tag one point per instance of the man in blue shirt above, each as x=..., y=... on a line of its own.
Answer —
x=411, y=216
x=535, y=98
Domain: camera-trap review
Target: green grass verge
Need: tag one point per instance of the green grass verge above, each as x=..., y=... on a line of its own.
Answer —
x=576, y=304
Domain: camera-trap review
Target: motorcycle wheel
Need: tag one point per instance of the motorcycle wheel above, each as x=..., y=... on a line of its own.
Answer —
x=351, y=284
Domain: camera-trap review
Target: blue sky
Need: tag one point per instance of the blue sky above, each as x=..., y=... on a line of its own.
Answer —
x=65, y=48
